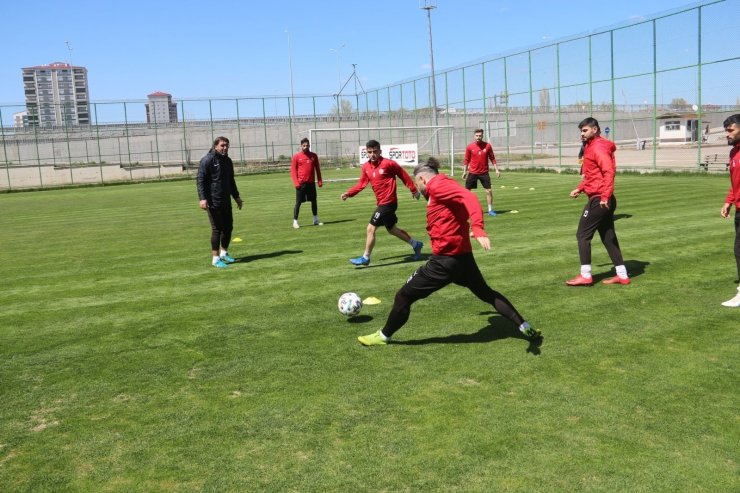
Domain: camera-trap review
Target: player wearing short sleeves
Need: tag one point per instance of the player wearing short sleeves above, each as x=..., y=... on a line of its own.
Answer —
x=449, y=208
x=304, y=170
x=381, y=174
x=475, y=164
x=598, y=170
x=732, y=128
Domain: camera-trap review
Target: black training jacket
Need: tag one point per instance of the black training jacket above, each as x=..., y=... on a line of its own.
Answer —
x=216, y=180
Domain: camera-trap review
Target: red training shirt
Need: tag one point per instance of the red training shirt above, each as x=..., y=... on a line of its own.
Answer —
x=383, y=180
x=599, y=168
x=304, y=168
x=448, y=210
x=477, y=156
x=733, y=196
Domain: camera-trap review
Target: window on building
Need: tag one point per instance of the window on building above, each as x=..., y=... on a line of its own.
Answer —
x=673, y=125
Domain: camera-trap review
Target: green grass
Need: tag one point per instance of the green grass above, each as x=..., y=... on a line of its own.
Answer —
x=129, y=364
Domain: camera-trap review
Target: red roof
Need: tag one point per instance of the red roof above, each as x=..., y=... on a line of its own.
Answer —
x=52, y=66
x=158, y=94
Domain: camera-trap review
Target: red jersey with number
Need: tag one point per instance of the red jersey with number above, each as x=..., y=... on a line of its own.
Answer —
x=477, y=155
x=449, y=209
x=382, y=178
x=733, y=196
x=304, y=168
x=599, y=168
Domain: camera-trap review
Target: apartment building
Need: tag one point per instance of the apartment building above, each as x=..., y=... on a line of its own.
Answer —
x=160, y=108
x=56, y=94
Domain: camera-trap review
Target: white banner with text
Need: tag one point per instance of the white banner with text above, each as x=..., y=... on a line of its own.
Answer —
x=403, y=154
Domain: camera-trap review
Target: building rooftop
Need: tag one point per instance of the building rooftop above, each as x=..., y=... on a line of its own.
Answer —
x=158, y=94
x=52, y=66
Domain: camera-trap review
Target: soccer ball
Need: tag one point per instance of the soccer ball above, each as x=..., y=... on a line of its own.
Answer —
x=349, y=304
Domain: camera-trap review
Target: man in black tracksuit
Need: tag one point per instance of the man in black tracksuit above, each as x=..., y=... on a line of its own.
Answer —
x=216, y=186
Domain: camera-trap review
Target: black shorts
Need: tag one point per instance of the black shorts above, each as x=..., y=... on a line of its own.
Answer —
x=471, y=181
x=305, y=192
x=385, y=215
x=442, y=270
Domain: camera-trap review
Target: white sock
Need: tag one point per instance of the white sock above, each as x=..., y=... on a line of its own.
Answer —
x=316, y=219
x=413, y=243
x=586, y=271
x=621, y=271
x=366, y=255
x=383, y=336
x=490, y=208
x=215, y=259
x=223, y=252
x=525, y=325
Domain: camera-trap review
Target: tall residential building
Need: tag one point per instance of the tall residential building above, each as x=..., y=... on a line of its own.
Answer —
x=56, y=94
x=160, y=108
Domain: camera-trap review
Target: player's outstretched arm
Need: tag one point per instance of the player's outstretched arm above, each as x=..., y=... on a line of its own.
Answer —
x=484, y=241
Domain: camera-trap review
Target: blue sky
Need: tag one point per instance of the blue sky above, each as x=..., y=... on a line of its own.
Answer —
x=241, y=48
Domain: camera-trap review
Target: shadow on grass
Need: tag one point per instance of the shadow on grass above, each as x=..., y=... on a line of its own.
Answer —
x=338, y=221
x=499, y=328
x=635, y=268
x=252, y=258
x=360, y=319
x=622, y=216
x=403, y=259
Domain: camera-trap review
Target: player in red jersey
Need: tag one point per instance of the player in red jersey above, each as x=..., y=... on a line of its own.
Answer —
x=598, y=170
x=448, y=210
x=304, y=169
x=477, y=155
x=732, y=128
x=381, y=173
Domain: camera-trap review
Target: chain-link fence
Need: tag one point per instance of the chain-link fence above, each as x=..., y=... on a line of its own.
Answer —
x=660, y=87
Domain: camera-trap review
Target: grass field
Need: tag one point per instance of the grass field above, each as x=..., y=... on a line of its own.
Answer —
x=129, y=364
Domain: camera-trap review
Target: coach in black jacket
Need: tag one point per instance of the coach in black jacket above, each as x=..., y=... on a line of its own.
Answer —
x=216, y=186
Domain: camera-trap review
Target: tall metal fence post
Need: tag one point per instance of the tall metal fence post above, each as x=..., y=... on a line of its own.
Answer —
x=97, y=135
x=69, y=149
x=700, y=112
x=128, y=146
x=655, y=98
x=239, y=133
x=5, y=150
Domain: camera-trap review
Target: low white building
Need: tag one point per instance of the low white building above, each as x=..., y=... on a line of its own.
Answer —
x=680, y=129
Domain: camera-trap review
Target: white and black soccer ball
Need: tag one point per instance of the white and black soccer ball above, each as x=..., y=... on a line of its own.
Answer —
x=350, y=304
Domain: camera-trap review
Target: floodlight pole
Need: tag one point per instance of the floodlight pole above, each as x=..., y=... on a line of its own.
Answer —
x=69, y=49
x=429, y=6
x=290, y=68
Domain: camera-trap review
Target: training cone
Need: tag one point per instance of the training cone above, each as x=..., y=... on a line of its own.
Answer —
x=531, y=188
x=515, y=212
x=371, y=300
x=516, y=188
x=236, y=240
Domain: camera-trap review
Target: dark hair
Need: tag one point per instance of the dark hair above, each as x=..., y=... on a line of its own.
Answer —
x=589, y=122
x=305, y=140
x=732, y=119
x=220, y=139
x=478, y=131
x=373, y=143
x=431, y=166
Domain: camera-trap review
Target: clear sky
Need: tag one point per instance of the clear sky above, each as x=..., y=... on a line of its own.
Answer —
x=242, y=48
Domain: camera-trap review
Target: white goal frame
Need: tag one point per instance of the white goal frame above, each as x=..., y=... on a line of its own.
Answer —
x=434, y=134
